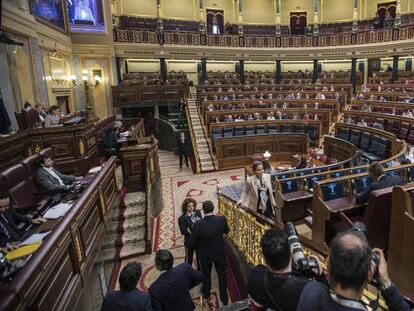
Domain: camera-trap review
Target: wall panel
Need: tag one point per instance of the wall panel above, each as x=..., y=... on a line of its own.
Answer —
x=228, y=7
x=182, y=9
x=334, y=10
x=141, y=7
x=288, y=6
x=258, y=12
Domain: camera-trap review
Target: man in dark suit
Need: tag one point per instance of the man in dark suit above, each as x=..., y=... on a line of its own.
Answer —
x=186, y=221
x=49, y=180
x=183, y=149
x=181, y=113
x=10, y=234
x=208, y=237
x=171, y=291
x=128, y=297
x=380, y=181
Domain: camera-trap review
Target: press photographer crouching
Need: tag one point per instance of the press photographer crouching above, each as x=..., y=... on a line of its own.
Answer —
x=279, y=284
x=351, y=265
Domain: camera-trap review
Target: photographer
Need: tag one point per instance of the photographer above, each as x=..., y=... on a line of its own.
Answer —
x=351, y=266
x=275, y=286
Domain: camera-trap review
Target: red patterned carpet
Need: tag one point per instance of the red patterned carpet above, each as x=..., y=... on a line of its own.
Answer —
x=176, y=186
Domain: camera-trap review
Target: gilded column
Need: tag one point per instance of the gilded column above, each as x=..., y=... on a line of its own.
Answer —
x=398, y=14
x=160, y=25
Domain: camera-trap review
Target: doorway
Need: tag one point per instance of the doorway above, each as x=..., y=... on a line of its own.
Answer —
x=298, y=23
x=215, y=21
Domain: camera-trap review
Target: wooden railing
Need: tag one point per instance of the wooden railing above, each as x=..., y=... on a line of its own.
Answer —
x=193, y=141
x=55, y=275
x=271, y=41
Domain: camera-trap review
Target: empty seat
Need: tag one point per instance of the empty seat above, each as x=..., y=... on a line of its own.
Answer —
x=311, y=130
x=227, y=132
x=272, y=129
x=285, y=128
x=238, y=131
x=260, y=129
x=250, y=130
x=405, y=127
x=300, y=129
x=355, y=137
x=344, y=134
x=216, y=133
x=365, y=141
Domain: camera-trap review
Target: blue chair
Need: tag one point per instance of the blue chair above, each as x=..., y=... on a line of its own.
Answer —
x=238, y=131
x=250, y=130
x=344, y=134
x=272, y=128
x=260, y=129
x=216, y=133
x=355, y=137
x=365, y=141
x=227, y=132
x=285, y=128
x=300, y=129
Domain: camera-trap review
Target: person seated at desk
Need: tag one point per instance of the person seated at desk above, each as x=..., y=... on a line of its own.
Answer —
x=380, y=181
x=9, y=221
x=302, y=163
x=112, y=136
x=49, y=180
x=53, y=118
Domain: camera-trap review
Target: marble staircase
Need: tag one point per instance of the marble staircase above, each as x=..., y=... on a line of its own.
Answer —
x=206, y=160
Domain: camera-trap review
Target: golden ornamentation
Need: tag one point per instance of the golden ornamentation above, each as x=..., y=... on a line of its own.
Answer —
x=37, y=149
x=82, y=149
x=102, y=205
x=245, y=231
x=78, y=249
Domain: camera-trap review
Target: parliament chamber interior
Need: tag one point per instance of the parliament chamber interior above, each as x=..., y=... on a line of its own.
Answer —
x=144, y=141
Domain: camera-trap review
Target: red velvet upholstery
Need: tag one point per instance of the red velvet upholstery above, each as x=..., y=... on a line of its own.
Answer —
x=376, y=218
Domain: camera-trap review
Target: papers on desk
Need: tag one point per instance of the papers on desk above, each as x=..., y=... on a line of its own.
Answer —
x=34, y=238
x=57, y=211
x=124, y=134
x=22, y=251
x=95, y=170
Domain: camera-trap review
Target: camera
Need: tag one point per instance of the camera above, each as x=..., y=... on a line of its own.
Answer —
x=362, y=229
x=300, y=262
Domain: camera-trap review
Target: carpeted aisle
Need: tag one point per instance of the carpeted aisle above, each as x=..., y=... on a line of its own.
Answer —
x=176, y=186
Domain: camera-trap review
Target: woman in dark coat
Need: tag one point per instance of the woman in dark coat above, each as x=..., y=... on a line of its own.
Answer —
x=189, y=216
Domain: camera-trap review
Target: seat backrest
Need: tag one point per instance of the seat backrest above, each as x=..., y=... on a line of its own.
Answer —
x=21, y=121
x=47, y=151
x=365, y=140
x=355, y=136
x=227, y=132
x=32, y=118
x=19, y=186
x=29, y=164
x=377, y=217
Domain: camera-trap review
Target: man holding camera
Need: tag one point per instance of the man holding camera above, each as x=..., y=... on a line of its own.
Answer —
x=351, y=266
x=275, y=286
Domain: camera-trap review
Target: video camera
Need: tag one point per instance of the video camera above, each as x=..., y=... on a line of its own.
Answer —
x=300, y=262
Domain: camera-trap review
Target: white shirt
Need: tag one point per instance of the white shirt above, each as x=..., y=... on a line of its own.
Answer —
x=52, y=172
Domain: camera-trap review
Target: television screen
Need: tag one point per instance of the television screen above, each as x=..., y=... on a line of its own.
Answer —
x=86, y=16
x=313, y=179
x=337, y=174
x=289, y=186
x=361, y=183
x=332, y=191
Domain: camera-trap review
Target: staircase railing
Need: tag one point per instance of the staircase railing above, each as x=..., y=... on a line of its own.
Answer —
x=193, y=140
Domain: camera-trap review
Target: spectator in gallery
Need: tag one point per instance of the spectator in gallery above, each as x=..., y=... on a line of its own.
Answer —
x=407, y=113
x=27, y=106
x=42, y=113
x=128, y=297
x=53, y=118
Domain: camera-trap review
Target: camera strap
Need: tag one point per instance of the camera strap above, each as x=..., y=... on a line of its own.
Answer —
x=349, y=303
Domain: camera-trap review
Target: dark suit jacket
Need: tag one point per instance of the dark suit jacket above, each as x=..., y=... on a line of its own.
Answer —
x=183, y=147
x=171, y=291
x=128, y=301
x=384, y=182
x=186, y=227
x=208, y=236
x=9, y=232
x=50, y=185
